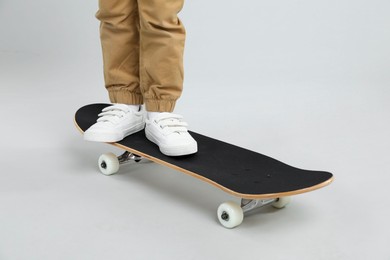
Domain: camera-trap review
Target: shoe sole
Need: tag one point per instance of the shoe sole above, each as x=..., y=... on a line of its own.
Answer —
x=112, y=138
x=178, y=150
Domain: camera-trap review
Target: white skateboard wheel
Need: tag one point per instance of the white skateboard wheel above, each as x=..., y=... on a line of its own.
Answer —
x=281, y=202
x=108, y=164
x=230, y=214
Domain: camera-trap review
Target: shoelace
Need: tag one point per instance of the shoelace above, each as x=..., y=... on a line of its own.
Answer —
x=113, y=113
x=172, y=123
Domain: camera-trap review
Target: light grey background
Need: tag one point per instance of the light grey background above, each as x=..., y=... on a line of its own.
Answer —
x=306, y=82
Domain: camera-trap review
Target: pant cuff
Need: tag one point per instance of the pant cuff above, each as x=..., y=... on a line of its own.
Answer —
x=123, y=96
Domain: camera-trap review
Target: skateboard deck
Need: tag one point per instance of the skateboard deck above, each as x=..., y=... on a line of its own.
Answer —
x=255, y=178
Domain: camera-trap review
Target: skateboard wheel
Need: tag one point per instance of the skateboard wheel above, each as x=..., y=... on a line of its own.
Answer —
x=108, y=163
x=230, y=214
x=281, y=202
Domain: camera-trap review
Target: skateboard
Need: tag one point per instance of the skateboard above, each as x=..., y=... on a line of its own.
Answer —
x=256, y=179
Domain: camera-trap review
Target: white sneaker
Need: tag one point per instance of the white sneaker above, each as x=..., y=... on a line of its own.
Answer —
x=169, y=132
x=115, y=123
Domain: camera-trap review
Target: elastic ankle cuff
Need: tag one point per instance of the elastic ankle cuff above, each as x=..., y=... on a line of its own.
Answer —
x=123, y=96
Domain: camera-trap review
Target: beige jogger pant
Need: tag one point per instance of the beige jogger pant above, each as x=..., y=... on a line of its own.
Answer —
x=143, y=44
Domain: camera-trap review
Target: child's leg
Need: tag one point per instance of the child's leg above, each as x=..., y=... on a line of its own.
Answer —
x=119, y=33
x=162, y=45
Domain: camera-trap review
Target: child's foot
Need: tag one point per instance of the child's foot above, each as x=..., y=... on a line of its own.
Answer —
x=169, y=132
x=116, y=122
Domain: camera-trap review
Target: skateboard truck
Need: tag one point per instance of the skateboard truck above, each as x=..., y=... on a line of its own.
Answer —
x=128, y=157
x=249, y=205
x=109, y=162
x=230, y=214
